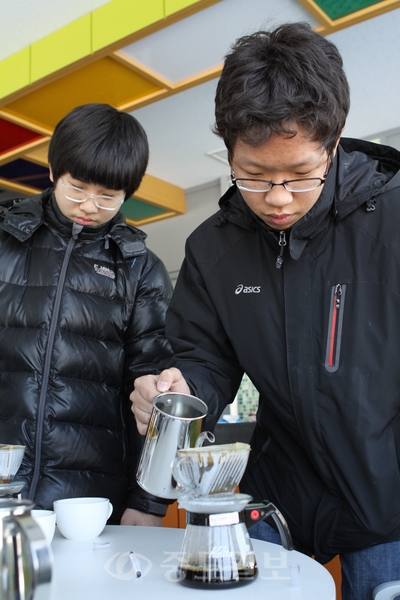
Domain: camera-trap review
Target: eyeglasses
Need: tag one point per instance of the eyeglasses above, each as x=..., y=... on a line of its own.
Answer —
x=76, y=194
x=292, y=185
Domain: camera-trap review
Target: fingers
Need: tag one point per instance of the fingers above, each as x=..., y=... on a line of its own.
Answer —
x=146, y=388
x=172, y=380
x=142, y=400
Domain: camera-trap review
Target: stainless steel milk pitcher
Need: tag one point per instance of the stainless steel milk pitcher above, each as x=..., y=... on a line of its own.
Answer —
x=175, y=423
x=25, y=557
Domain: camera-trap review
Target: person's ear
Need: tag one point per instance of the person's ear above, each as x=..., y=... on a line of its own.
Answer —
x=337, y=142
x=51, y=174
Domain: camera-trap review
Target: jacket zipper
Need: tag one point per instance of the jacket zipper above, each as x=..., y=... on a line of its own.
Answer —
x=282, y=243
x=335, y=327
x=47, y=363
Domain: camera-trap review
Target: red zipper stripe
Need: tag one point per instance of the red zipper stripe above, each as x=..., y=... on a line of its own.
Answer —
x=332, y=335
x=335, y=326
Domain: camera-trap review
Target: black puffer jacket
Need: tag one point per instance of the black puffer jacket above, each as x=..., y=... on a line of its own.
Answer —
x=320, y=339
x=81, y=316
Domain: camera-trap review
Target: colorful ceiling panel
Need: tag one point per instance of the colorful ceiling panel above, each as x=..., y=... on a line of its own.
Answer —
x=27, y=174
x=14, y=136
x=336, y=9
x=337, y=14
x=106, y=80
x=137, y=211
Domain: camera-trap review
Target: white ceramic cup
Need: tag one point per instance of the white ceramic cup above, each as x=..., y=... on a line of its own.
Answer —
x=46, y=519
x=82, y=518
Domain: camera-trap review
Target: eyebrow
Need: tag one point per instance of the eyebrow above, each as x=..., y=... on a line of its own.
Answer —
x=86, y=183
x=301, y=164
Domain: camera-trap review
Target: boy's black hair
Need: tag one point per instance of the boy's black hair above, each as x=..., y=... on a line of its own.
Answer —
x=99, y=144
x=273, y=81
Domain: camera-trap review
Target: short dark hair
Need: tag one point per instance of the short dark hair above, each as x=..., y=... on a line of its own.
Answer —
x=272, y=80
x=97, y=143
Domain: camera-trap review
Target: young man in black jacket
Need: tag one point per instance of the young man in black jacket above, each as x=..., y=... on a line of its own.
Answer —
x=82, y=309
x=295, y=281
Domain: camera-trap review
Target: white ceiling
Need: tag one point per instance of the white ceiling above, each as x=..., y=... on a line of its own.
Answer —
x=201, y=41
x=179, y=127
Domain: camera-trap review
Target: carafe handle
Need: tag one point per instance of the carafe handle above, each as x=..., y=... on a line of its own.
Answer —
x=259, y=512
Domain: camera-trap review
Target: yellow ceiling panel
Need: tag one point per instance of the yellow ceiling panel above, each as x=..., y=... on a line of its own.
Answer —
x=172, y=6
x=38, y=155
x=106, y=80
x=161, y=193
x=63, y=47
x=121, y=18
x=14, y=72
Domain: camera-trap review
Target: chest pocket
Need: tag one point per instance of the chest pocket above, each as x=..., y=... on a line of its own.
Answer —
x=335, y=326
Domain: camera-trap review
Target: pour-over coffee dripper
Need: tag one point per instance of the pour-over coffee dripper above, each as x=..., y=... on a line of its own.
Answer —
x=10, y=461
x=210, y=469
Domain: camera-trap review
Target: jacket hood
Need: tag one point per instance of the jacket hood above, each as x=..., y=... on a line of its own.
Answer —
x=21, y=218
x=360, y=172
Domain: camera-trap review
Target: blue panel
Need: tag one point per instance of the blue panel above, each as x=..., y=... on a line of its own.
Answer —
x=26, y=173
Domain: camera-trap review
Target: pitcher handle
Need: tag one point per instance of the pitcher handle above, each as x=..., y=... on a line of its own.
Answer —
x=40, y=556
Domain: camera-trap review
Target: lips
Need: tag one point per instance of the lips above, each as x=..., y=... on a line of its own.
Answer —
x=279, y=219
x=84, y=222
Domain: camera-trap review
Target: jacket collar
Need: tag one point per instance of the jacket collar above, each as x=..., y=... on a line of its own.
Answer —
x=360, y=172
x=23, y=218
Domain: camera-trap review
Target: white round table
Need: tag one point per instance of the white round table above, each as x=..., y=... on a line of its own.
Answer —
x=81, y=573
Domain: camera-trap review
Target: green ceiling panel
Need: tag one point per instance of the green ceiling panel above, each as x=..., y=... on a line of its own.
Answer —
x=335, y=9
x=138, y=211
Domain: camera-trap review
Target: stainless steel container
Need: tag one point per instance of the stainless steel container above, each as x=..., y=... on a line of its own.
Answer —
x=25, y=557
x=175, y=423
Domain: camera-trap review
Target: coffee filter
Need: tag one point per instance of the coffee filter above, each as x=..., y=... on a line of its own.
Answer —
x=10, y=461
x=212, y=469
x=222, y=449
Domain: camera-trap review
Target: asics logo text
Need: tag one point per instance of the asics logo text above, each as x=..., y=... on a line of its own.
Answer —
x=248, y=289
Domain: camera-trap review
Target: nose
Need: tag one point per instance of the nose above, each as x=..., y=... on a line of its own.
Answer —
x=89, y=206
x=278, y=196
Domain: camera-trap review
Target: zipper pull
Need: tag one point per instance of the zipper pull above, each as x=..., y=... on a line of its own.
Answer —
x=338, y=293
x=76, y=229
x=282, y=244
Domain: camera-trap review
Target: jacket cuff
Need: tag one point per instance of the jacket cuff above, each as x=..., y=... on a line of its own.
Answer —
x=140, y=500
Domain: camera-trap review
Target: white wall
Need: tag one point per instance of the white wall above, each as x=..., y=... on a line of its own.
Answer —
x=167, y=237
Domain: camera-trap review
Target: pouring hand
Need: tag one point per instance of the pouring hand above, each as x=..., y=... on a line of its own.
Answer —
x=146, y=388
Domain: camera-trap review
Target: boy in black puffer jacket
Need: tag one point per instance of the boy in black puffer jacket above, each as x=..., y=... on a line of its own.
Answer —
x=82, y=307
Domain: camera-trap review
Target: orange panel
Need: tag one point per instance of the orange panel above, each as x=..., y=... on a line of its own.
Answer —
x=335, y=570
x=106, y=80
x=171, y=518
